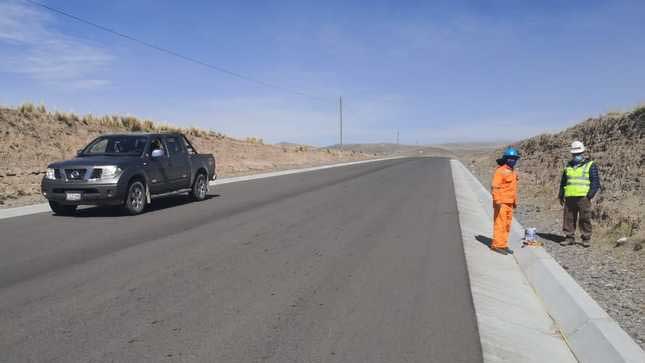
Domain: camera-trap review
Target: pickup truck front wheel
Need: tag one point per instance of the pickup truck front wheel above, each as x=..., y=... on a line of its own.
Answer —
x=61, y=209
x=135, y=200
x=200, y=187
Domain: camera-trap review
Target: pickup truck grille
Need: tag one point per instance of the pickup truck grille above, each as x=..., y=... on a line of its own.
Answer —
x=96, y=173
x=75, y=174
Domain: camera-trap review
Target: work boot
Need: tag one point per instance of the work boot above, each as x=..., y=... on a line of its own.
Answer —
x=569, y=241
x=586, y=243
x=501, y=251
x=509, y=251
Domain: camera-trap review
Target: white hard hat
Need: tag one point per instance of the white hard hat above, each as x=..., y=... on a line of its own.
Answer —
x=577, y=147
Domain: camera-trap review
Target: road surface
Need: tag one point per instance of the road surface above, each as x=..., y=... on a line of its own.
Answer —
x=361, y=263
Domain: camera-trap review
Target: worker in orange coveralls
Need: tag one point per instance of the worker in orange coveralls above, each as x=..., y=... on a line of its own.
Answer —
x=504, y=190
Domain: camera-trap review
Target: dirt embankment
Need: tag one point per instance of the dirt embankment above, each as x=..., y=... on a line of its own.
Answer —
x=616, y=142
x=613, y=274
x=31, y=137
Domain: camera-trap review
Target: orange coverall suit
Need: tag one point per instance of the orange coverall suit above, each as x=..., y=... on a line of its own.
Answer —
x=504, y=201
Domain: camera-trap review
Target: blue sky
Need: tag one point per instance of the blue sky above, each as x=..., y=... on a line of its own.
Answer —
x=440, y=71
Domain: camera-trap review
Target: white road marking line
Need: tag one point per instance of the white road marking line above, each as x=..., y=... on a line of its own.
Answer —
x=44, y=207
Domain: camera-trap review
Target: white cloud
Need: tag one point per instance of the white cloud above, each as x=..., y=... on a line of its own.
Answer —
x=22, y=24
x=87, y=84
x=272, y=118
x=457, y=36
x=30, y=46
x=276, y=119
x=371, y=119
x=511, y=128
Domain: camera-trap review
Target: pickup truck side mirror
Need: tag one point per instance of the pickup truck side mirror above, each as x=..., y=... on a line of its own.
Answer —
x=157, y=153
x=79, y=152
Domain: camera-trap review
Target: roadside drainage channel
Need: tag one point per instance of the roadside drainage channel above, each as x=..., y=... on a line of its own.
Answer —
x=591, y=334
x=44, y=207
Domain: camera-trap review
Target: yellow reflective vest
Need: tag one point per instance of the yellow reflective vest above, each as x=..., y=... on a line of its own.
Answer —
x=578, y=180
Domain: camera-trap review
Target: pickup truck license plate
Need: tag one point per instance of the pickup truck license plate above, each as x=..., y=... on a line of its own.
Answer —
x=72, y=196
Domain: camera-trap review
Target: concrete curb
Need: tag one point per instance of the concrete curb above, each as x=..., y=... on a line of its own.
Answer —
x=591, y=333
x=44, y=207
x=512, y=321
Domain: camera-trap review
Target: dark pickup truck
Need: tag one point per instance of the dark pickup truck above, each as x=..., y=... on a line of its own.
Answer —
x=128, y=170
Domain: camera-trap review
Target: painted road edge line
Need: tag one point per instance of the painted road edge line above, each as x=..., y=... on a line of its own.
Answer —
x=44, y=207
x=296, y=171
x=591, y=333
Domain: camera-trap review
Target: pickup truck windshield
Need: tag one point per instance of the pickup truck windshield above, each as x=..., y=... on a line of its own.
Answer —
x=116, y=145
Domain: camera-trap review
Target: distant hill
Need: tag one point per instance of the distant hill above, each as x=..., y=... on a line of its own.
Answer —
x=472, y=145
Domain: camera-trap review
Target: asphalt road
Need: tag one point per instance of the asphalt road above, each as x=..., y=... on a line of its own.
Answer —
x=353, y=264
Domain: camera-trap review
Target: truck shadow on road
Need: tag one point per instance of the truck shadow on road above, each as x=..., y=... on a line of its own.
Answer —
x=155, y=205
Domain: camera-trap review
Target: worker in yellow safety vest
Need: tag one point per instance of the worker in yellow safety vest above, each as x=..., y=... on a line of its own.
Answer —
x=579, y=184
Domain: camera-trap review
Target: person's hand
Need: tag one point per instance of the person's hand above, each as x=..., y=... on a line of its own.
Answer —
x=515, y=205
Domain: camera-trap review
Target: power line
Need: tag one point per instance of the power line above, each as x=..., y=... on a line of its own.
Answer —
x=172, y=52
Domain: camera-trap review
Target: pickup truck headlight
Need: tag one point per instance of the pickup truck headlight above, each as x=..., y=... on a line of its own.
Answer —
x=51, y=174
x=110, y=172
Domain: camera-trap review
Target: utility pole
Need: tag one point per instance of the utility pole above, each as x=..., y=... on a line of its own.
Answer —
x=397, y=136
x=340, y=120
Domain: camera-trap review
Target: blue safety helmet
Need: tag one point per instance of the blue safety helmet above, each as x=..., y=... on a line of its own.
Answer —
x=511, y=152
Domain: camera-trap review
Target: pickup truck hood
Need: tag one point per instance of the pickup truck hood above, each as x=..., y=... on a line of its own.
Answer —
x=94, y=160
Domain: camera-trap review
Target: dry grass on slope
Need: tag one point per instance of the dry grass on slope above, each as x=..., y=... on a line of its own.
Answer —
x=617, y=144
x=31, y=137
x=611, y=273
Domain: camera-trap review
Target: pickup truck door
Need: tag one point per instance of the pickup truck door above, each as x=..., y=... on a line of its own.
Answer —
x=158, y=169
x=179, y=163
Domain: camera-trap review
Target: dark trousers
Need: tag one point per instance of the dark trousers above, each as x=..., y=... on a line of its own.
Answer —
x=577, y=210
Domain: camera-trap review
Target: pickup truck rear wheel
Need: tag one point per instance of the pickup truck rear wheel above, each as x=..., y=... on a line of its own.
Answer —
x=135, y=200
x=61, y=209
x=200, y=187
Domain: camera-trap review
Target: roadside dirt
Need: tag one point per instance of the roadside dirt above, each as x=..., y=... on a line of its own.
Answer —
x=613, y=274
x=31, y=137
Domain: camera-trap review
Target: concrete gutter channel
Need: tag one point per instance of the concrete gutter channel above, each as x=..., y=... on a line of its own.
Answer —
x=589, y=332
